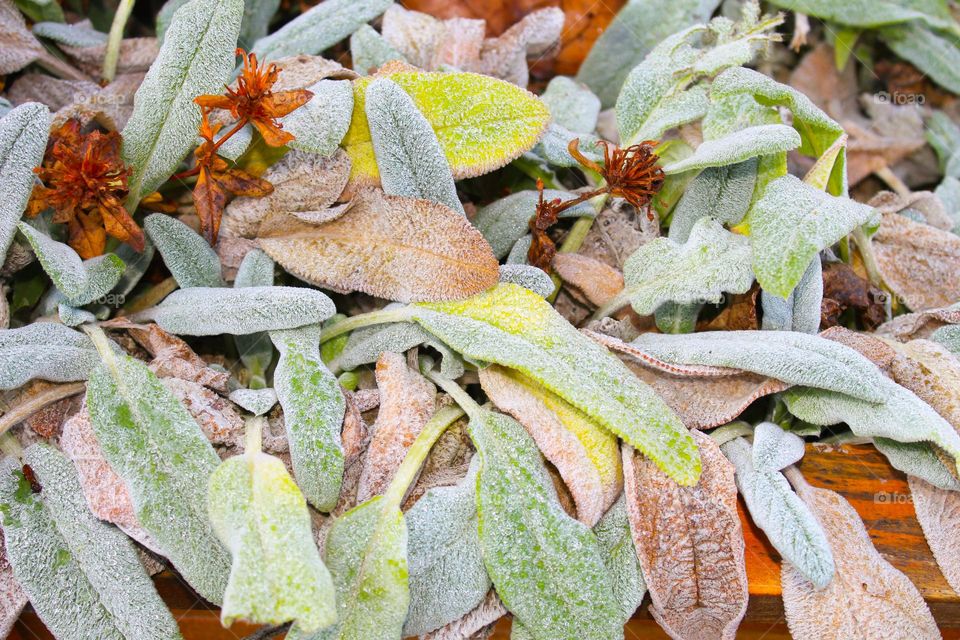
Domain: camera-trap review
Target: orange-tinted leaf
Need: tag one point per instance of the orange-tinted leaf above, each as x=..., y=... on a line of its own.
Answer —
x=118, y=223
x=214, y=102
x=87, y=235
x=240, y=183
x=210, y=199
x=272, y=134
x=281, y=103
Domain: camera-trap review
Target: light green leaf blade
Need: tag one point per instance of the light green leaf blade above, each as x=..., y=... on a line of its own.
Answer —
x=547, y=567
x=514, y=327
x=80, y=281
x=762, y=140
x=277, y=574
x=937, y=56
x=74, y=35
x=313, y=408
x=319, y=125
x=83, y=576
x=256, y=20
x=23, y=139
x=255, y=349
x=369, y=50
x=187, y=255
x=918, y=459
x=792, y=222
x=869, y=14
x=572, y=105
x=364, y=346
x=528, y=277
x=723, y=193
x=949, y=337
x=45, y=351
x=196, y=58
x=620, y=557
x=156, y=447
x=801, y=310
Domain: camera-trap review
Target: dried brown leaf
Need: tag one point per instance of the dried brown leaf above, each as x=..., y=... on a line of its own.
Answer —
x=403, y=249
x=618, y=231
x=484, y=615
x=12, y=597
x=867, y=598
x=585, y=455
x=217, y=417
x=301, y=71
x=136, y=56
x=635, y=353
x=919, y=262
x=933, y=373
x=18, y=46
x=56, y=93
x=505, y=57
x=918, y=325
x=925, y=203
x=110, y=107
x=844, y=289
x=938, y=511
x=877, y=351
x=407, y=400
x=690, y=544
x=589, y=279
x=173, y=358
x=739, y=315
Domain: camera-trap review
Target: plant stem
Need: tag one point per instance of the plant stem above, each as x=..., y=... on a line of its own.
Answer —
x=112, y=55
x=869, y=259
x=151, y=297
x=731, y=431
x=455, y=391
x=24, y=410
x=417, y=453
x=253, y=434
x=613, y=305
x=578, y=233
x=383, y=316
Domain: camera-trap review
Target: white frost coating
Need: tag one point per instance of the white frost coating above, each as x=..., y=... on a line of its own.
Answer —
x=409, y=156
x=210, y=311
x=83, y=576
x=256, y=270
x=256, y=20
x=762, y=140
x=527, y=277
x=572, y=105
x=447, y=576
x=80, y=34
x=790, y=223
x=723, y=193
x=900, y=415
x=712, y=261
x=620, y=557
x=319, y=28
x=23, y=139
x=365, y=345
x=872, y=13
x=788, y=523
x=80, y=281
x=520, y=250
x=949, y=337
x=256, y=401
x=196, y=58
x=504, y=221
x=792, y=357
x=918, y=459
x=554, y=146
x=369, y=50
x=321, y=123
x=44, y=350
x=801, y=310
x=189, y=258
x=73, y=317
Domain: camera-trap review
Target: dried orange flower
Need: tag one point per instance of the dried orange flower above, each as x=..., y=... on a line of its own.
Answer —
x=85, y=183
x=542, y=249
x=631, y=173
x=254, y=101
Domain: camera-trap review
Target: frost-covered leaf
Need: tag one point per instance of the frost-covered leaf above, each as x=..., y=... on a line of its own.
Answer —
x=319, y=28
x=528, y=277
x=261, y=517
x=19, y=47
x=474, y=622
x=868, y=14
x=722, y=193
x=257, y=15
x=789, y=356
x=313, y=408
x=918, y=262
x=389, y=246
x=447, y=575
x=594, y=280
x=365, y=346
x=554, y=147
x=319, y=126
x=407, y=400
x=572, y=105
x=23, y=139
x=801, y=310
x=79, y=34
x=620, y=556
x=46, y=351
x=196, y=58
x=503, y=222
x=73, y=317
x=80, y=281
x=690, y=544
x=481, y=123
x=712, y=261
x=949, y=337
x=920, y=460
x=408, y=153
x=778, y=511
x=164, y=459
x=210, y=311
x=83, y=577
x=256, y=401
x=586, y=456
x=867, y=597
x=790, y=223
x=12, y=597
x=547, y=568
x=762, y=140
x=516, y=328
x=173, y=358
x=369, y=50
x=190, y=259
x=938, y=512
x=256, y=350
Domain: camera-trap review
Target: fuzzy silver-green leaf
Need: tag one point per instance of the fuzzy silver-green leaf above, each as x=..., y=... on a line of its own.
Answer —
x=23, y=140
x=190, y=259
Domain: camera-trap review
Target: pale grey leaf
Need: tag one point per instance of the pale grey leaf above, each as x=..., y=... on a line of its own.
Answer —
x=46, y=351
x=20, y=48
x=620, y=556
x=723, y=193
x=23, y=140
x=528, y=277
x=80, y=34
x=736, y=147
x=370, y=50
x=256, y=20
x=504, y=221
x=73, y=317
x=572, y=105
x=917, y=459
x=256, y=401
x=190, y=259
x=801, y=310
x=365, y=345
x=319, y=125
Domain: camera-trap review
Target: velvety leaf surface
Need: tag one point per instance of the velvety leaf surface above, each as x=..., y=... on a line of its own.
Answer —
x=23, y=139
x=187, y=255
x=48, y=351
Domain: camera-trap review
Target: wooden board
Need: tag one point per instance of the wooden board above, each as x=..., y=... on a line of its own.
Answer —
x=878, y=492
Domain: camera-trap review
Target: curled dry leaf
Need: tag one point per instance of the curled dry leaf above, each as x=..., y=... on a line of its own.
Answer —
x=844, y=289
x=919, y=262
x=404, y=249
x=923, y=204
x=136, y=56
x=472, y=624
x=690, y=544
x=407, y=400
x=920, y=324
x=217, y=417
x=18, y=46
x=590, y=279
x=867, y=598
x=173, y=358
x=938, y=511
x=110, y=106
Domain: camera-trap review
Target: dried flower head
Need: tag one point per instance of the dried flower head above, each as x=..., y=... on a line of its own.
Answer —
x=254, y=101
x=85, y=183
x=630, y=173
x=542, y=248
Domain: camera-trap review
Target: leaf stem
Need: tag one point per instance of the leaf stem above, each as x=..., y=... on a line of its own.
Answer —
x=869, y=259
x=382, y=316
x=731, y=431
x=253, y=434
x=578, y=233
x=112, y=55
x=455, y=391
x=613, y=305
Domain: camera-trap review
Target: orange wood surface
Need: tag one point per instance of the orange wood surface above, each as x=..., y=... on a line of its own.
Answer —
x=878, y=492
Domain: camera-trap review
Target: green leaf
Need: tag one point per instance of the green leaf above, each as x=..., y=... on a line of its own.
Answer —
x=320, y=28
x=447, y=575
x=313, y=408
x=712, y=261
x=365, y=346
x=80, y=281
x=191, y=261
x=801, y=310
x=937, y=56
x=504, y=221
x=73, y=35
x=196, y=58
x=369, y=50
x=46, y=351
x=528, y=277
x=256, y=20
x=736, y=147
x=40, y=10
x=83, y=576
x=794, y=358
x=792, y=222
x=409, y=156
x=620, y=557
x=949, y=337
x=918, y=459
x=572, y=105
x=320, y=125
x=547, y=567
x=165, y=461
x=23, y=140
x=778, y=511
x=256, y=401
x=210, y=311
x=260, y=515
x=723, y=193
x=255, y=349
x=514, y=327
x=873, y=13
